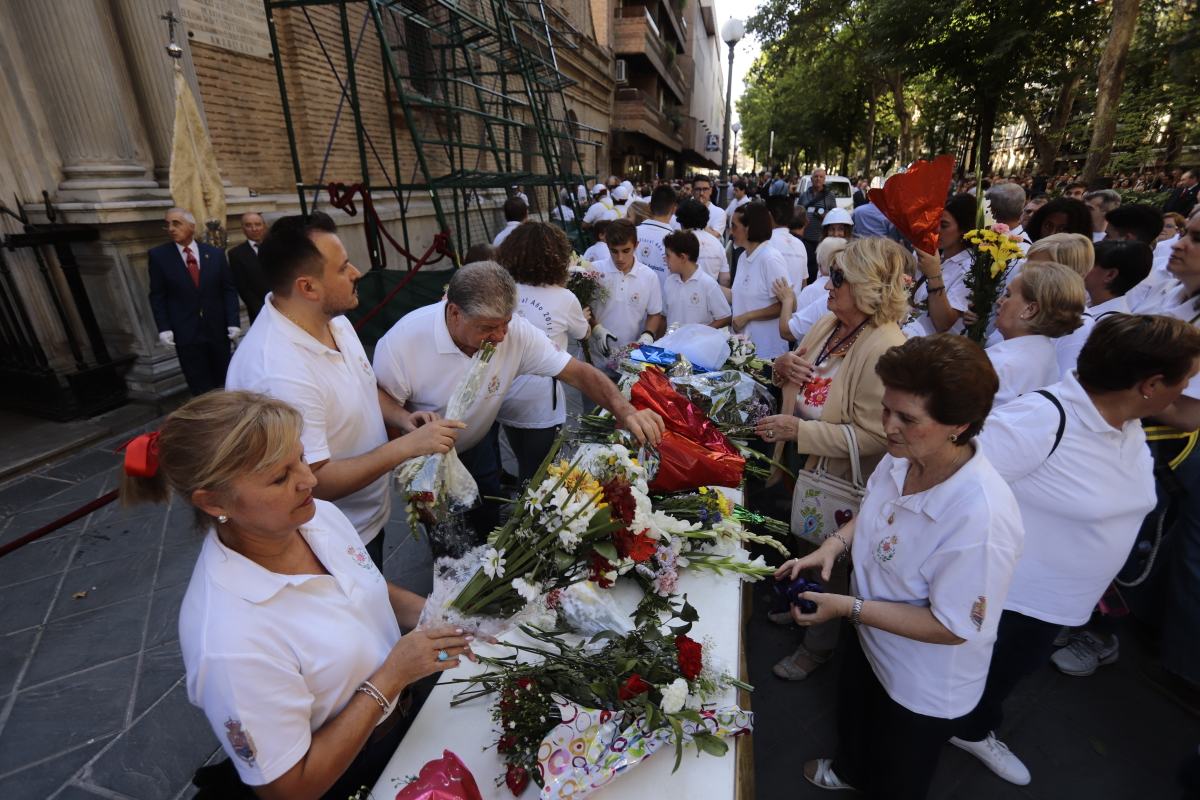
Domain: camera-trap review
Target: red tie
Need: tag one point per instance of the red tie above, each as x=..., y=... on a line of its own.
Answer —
x=192, y=267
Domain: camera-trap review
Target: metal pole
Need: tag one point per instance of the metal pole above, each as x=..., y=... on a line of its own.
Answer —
x=723, y=180
x=735, y=151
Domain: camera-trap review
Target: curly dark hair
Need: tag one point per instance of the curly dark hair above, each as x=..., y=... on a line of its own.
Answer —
x=536, y=254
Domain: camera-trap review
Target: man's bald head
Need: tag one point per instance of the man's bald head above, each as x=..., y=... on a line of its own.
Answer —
x=254, y=226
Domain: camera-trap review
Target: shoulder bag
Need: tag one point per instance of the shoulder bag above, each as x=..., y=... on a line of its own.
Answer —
x=822, y=503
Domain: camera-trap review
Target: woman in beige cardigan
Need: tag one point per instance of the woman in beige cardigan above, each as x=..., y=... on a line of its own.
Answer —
x=829, y=381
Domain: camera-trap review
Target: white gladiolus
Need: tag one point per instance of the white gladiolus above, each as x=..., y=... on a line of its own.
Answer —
x=493, y=563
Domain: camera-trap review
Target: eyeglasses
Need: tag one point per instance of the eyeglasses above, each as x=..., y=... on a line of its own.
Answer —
x=836, y=278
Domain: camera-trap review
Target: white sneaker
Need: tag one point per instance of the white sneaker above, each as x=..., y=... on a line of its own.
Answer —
x=1063, y=637
x=1084, y=654
x=997, y=757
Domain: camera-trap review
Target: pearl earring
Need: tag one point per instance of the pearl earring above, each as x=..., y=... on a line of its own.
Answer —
x=222, y=519
x=1145, y=397
x=954, y=437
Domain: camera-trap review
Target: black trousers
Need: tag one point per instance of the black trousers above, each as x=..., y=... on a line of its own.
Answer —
x=530, y=446
x=374, y=549
x=1022, y=645
x=204, y=365
x=460, y=535
x=884, y=749
x=811, y=248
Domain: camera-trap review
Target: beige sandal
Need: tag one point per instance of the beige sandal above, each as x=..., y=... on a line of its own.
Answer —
x=820, y=774
x=799, y=665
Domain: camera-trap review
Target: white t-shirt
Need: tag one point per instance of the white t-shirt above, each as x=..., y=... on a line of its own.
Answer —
x=650, y=250
x=954, y=269
x=597, y=253
x=508, y=228
x=334, y=391
x=716, y=217
x=269, y=657
x=712, y=255
x=1023, y=363
x=795, y=256
x=1155, y=292
x=951, y=549
x=563, y=213
x=1082, y=506
x=757, y=272
x=1068, y=347
x=419, y=365
x=601, y=209
x=699, y=299
x=535, y=401
x=802, y=321
x=733, y=205
x=632, y=297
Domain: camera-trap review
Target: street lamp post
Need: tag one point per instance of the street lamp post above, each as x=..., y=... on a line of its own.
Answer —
x=731, y=33
x=737, y=127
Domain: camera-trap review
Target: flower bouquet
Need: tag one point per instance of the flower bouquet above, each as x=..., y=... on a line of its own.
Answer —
x=586, y=283
x=579, y=714
x=437, y=485
x=993, y=247
x=743, y=358
x=730, y=398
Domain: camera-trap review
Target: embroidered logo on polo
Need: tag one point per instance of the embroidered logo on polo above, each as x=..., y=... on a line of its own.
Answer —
x=493, y=385
x=695, y=298
x=366, y=365
x=240, y=741
x=635, y=297
x=979, y=612
x=885, y=551
x=360, y=557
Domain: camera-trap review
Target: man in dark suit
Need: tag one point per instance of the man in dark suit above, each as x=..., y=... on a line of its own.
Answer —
x=243, y=262
x=1183, y=197
x=194, y=302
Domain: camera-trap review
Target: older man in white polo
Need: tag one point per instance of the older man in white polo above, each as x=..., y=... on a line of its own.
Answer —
x=420, y=361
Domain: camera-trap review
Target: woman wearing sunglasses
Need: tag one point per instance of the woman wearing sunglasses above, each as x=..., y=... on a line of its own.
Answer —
x=830, y=381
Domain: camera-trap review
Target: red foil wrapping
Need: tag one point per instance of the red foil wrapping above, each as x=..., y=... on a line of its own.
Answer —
x=693, y=452
x=913, y=200
x=445, y=778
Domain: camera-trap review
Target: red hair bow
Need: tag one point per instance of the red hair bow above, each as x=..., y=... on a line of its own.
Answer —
x=141, y=455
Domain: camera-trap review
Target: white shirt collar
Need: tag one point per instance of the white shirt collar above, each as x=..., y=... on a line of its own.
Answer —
x=441, y=333
x=293, y=331
x=933, y=502
x=1072, y=392
x=1117, y=305
x=190, y=246
x=255, y=583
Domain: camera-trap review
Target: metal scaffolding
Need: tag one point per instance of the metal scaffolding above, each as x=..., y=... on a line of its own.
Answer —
x=473, y=99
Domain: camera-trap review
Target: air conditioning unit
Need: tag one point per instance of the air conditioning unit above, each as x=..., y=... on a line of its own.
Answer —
x=620, y=71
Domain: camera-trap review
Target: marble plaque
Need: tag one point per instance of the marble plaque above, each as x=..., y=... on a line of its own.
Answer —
x=236, y=25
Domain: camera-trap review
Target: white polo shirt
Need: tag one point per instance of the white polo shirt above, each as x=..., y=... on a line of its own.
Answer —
x=699, y=299
x=1023, y=363
x=1179, y=306
x=1082, y=506
x=712, y=255
x=534, y=401
x=632, y=297
x=795, y=256
x=334, y=391
x=756, y=273
x=716, y=217
x=508, y=228
x=650, y=250
x=601, y=209
x=1068, y=347
x=269, y=657
x=419, y=364
x=597, y=253
x=954, y=270
x=951, y=549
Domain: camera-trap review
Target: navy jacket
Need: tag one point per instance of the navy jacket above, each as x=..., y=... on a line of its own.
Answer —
x=193, y=314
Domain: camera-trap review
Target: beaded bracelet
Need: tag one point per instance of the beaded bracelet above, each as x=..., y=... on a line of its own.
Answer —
x=845, y=545
x=368, y=688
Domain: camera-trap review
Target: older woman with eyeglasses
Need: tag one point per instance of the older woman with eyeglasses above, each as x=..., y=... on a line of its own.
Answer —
x=830, y=381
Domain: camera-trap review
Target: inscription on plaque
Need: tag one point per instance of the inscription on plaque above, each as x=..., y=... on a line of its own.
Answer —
x=236, y=25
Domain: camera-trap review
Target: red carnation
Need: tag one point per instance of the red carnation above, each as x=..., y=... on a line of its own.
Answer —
x=506, y=743
x=632, y=687
x=688, y=653
x=599, y=567
x=620, y=500
x=524, y=683
x=516, y=778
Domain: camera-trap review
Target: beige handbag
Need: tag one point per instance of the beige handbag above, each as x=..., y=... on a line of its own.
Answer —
x=822, y=503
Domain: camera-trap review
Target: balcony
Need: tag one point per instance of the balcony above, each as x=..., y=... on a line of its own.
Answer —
x=635, y=111
x=639, y=36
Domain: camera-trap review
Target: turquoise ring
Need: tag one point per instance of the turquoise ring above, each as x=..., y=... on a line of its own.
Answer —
x=443, y=655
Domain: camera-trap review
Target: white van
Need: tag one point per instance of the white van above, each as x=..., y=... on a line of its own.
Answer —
x=841, y=187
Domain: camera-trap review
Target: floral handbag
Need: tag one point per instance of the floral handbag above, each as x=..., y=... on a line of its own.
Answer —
x=822, y=503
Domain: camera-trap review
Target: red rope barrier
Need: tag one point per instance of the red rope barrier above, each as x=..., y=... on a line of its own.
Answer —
x=82, y=511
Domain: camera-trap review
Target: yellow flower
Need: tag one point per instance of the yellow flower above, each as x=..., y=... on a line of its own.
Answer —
x=703, y=490
x=723, y=505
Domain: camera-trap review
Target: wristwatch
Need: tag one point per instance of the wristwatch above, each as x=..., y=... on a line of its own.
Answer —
x=856, y=611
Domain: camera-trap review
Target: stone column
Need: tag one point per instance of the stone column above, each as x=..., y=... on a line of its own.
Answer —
x=75, y=58
x=143, y=35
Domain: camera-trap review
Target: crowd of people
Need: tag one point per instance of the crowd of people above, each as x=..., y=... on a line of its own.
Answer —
x=1011, y=495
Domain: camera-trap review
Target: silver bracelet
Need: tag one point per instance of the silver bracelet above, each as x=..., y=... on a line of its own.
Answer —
x=368, y=688
x=845, y=545
x=856, y=611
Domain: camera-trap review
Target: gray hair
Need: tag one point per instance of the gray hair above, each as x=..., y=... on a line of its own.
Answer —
x=1109, y=199
x=1007, y=200
x=821, y=170
x=483, y=289
x=183, y=212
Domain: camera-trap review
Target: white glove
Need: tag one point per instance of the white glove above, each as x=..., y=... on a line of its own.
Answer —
x=602, y=341
x=646, y=338
x=167, y=338
x=234, y=333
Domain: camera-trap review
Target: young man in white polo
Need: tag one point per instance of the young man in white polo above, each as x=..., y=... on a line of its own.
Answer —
x=302, y=350
x=691, y=295
x=702, y=190
x=632, y=312
x=422, y=358
x=651, y=232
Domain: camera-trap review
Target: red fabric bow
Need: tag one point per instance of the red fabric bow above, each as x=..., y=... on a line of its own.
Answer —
x=141, y=455
x=913, y=200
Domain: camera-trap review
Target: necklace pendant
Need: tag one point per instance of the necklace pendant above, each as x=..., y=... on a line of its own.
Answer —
x=891, y=518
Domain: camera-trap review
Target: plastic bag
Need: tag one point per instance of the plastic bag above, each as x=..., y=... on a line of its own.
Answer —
x=704, y=346
x=445, y=778
x=653, y=391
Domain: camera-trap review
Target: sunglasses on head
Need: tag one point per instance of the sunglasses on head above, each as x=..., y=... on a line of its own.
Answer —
x=836, y=278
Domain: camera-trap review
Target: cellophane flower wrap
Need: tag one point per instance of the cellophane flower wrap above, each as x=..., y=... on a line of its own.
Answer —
x=731, y=399
x=580, y=713
x=993, y=248
x=913, y=200
x=437, y=485
x=445, y=778
x=586, y=283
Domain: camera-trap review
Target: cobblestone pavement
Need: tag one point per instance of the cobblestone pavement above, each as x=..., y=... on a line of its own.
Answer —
x=92, y=700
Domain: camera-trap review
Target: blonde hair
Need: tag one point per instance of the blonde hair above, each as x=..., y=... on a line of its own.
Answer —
x=874, y=268
x=1071, y=249
x=1059, y=294
x=637, y=212
x=211, y=441
x=827, y=250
